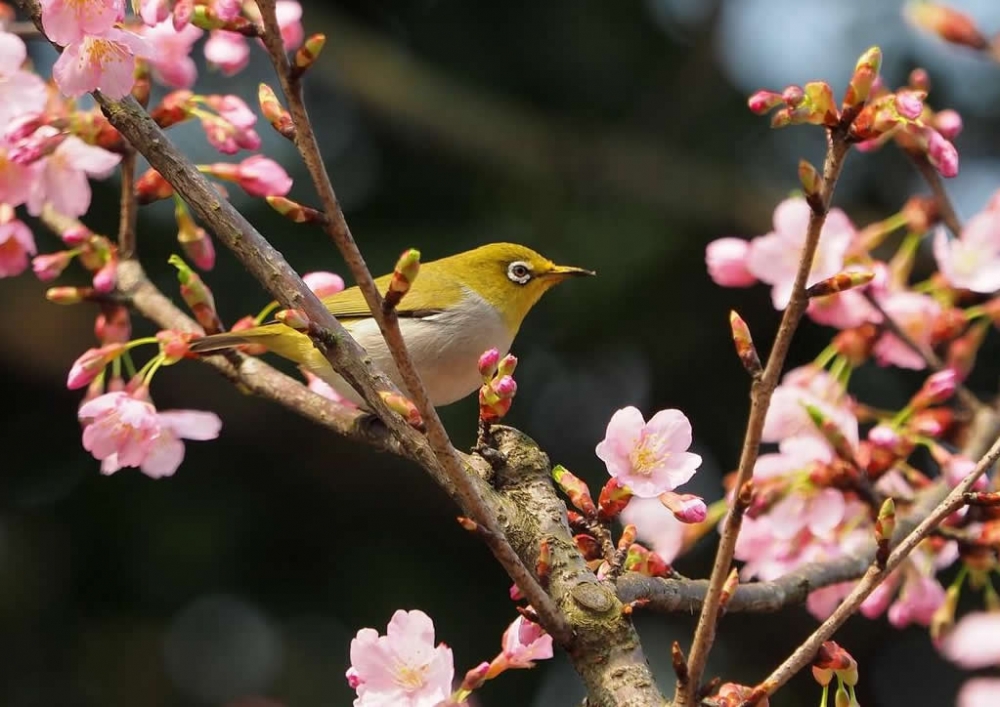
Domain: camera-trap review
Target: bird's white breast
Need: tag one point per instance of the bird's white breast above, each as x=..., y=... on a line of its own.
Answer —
x=445, y=349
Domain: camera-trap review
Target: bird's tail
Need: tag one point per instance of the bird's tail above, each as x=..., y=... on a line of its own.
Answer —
x=276, y=338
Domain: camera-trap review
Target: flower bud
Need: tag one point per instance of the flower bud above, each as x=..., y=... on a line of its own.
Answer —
x=403, y=276
x=294, y=318
x=106, y=277
x=812, y=182
x=505, y=387
x=575, y=489
x=174, y=345
x=947, y=122
x=244, y=323
x=612, y=500
x=404, y=407
x=629, y=533
x=308, y=53
x=323, y=284
x=885, y=526
x=947, y=23
x=938, y=388
x=588, y=546
x=644, y=561
x=275, y=114
x=863, y=78
x=90, y=364
x=488, y=364
x=765, y=101
x=151, y=186
x=686, y=507
x=840, y=282
x=193, y=239
x=910, y=104
x=745, y=349
x=942, y=154
x=294, y=211
x=69, y=295
x=49, y=266
x=196, y=295
x=543, y=566
x=507, y=365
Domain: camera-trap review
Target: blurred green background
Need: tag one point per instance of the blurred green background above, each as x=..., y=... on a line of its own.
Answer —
x=607, y=135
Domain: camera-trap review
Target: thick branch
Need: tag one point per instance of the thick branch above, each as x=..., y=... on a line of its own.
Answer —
x=606, y=650
x=470, y=496
x=760, y=397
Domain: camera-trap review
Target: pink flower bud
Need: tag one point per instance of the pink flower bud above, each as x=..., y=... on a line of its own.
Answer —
x=76, y=235
x=727, y=262
x=260, y=176
x=505, y=387
x=942, y=154
x=884, y=437
x=507, y=365
x=174, y=345
x=920, y=80
x=488, y=364
x=90, y=364
x=199, y=248
x=910, y=104
x=106, y=277
x=50, y=266
x=24, y=127
x=793, y=95
x=686, y=507
x=948, y=122
x=938, y=388
x=233, y=109
x=764, y=101
x=323, y=284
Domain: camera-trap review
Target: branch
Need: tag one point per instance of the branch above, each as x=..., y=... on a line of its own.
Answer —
x=129, y=208
x=760, y=396
x=805, y=653
x=469, y=496
x=933, y=179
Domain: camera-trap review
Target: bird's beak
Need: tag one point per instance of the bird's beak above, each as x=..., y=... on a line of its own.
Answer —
x=563, y=271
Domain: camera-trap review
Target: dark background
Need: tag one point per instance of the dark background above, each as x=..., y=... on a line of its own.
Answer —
x=607, y=135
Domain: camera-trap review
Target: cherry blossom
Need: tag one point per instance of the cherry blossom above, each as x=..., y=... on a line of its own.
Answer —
x=649, y=457
x=656, y=526
x=787, y=416
x=16, y=244
x=227, y=51
x=971, y=262
x=69, y=21
x=402, y=668
x=21, y=92
x=324, y=284
x=105, y=62
x=727, y=262
x=62, y=177
x=172, y=64
x=774, y=257
x=975, y=643
x=523, y=643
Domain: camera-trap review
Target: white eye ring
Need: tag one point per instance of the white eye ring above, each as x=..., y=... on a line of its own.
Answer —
x=519, y=272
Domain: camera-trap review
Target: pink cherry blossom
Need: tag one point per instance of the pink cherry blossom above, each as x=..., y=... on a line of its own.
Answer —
x=971, y=262
x=62, y=178
x=523, y=643
x=975, y=641
x=172, y=64
x=262, y=176
x=656, y=526
x=105, y=62
x=913, y=312
x=227, y=51
x=16, y=244
x=402, y=668
x=289, y=15
x=16, y=180
x=323, y=284
x=234, y=110
x=979, y=692
x=154, y=12
x=321, y=387
x=649, y=457
x=819, y=511
x=167, y=451
x=69, y=21
x=119, y=427
x=919, y=597
x=787, y=415
x=727, y=262
x=22, y=93
x=774, y=257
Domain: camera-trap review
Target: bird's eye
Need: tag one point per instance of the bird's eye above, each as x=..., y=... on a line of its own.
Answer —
x=519, y=272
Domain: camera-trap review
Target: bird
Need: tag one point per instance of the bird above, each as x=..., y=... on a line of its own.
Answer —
x=457, y=308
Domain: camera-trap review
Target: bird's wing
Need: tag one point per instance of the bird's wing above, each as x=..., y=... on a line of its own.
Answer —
x=350, y=303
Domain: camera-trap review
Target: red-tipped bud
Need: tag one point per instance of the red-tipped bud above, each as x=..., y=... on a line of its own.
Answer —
x=938, y=388
x=51, y=265
x=69, y=295
x=822, y=109
x=919, y=80
x=93, y=361
x=612, y=500
x=279, y=118
x=76, y=235
x=505, y=387
x=793, y=95
x=151, y=186
x=175, y=108
x=588, y=546
x=627, y=538
x=765, y=101
x=575, y=489
x=106, y=276
x=839, y=283
x=910, y=104
x=942, y=154
x=686, y=507
x=744, y=344
x=947, y=23
x=488, y=364
x=403, y=276
x=193, y=239
x=404, y=407
x=543, y=566
x=812, y=182
x=865, y=73
x=294, y=211
x=308, y=53
x=294, y=318
x=507, y=365
x=174, y=345
x=196, y=295
x=885, y=526
x=729, y=588
x=947, y=122
x=647, y=562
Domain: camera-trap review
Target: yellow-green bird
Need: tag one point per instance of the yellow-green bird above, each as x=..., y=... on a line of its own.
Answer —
x=457, y=308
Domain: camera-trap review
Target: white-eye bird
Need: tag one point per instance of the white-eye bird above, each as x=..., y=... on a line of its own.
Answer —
x=457, y=308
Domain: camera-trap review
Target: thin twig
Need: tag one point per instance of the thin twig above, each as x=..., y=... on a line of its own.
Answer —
x=471, y=499
x=933, y=179
x=804, y=654
x=760, y=396
x=933, y=361
x=129, y=208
